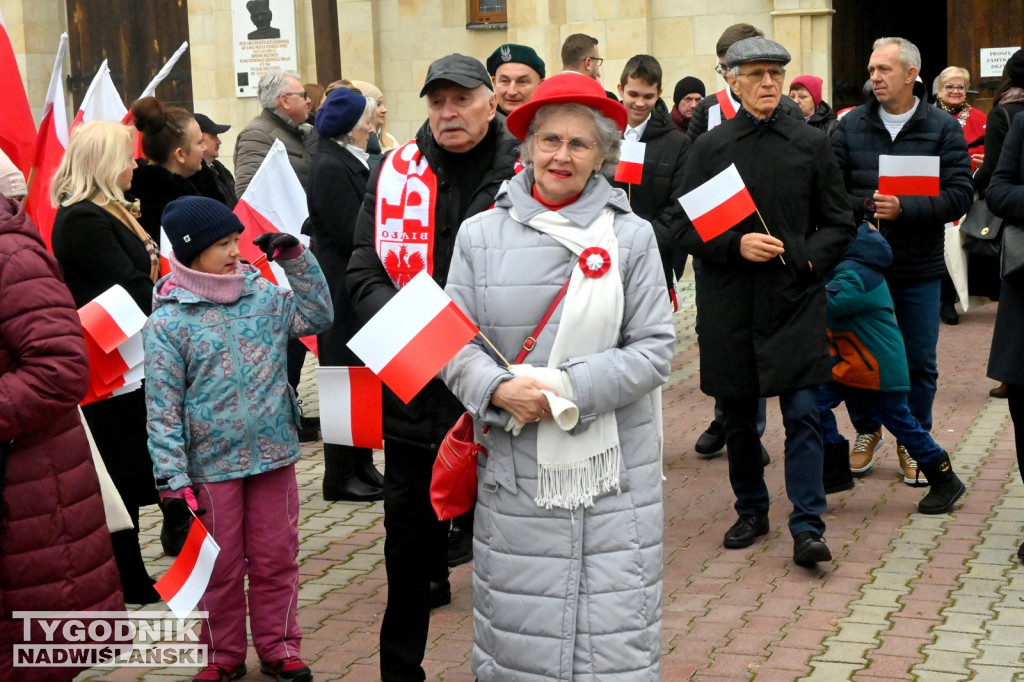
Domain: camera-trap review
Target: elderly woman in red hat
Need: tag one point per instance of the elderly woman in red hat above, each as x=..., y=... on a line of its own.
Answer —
x=568, y=532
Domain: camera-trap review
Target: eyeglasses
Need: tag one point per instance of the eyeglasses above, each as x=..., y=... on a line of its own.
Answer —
x=302, y=94
x=692, y=99
x=954, y=88
x=550, y=143
x=599, y=60
x=776, y=74
x=720, y=69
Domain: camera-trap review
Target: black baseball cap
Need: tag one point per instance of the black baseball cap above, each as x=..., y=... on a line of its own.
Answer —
x=208, y=126
x=459, y=69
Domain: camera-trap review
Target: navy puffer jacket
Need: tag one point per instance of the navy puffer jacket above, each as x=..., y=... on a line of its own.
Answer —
x=917, y=236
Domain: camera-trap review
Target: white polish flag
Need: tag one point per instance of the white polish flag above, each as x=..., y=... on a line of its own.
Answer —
x=350, y=406
x=184, y=583
x=718, y=204
x=413, y=336
x=631, y=162
x=908, y=175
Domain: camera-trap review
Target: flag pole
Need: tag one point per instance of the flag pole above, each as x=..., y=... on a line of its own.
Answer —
x=768, y=232
x=498, y=352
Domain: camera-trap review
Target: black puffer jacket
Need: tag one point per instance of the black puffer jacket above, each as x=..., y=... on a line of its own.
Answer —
x=656, y=198
x=824, y=118
x=424, y=421
x=917, y=236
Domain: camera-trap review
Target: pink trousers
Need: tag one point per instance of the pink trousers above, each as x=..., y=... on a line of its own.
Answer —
x=255, y=520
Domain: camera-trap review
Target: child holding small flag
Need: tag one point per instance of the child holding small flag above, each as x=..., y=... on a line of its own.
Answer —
x=222, y=419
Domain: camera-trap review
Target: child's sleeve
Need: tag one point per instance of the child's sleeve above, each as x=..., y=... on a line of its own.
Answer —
x=309, y=309
x=165, y=406
x=846, y=295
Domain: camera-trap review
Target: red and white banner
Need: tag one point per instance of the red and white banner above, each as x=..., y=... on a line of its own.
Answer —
x=350, y=406
x=718, y=204
x=413, y=336
x=112, y=317
x=112, y=323
x=273, y=202
x=184, y=583
x=150, y=91
x=51, y=142
x=17, y=129
x=102, y=101
x=908, y=175
x=631, y=162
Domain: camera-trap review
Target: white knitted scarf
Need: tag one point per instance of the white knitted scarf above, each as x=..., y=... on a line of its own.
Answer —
x=574, y=468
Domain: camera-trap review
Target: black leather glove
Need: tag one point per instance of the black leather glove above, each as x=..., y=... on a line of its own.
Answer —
x=177, y=522
x=273, y=243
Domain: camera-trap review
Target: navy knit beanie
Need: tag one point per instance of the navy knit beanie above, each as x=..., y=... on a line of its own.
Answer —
x=340, y=112
x=195, y=223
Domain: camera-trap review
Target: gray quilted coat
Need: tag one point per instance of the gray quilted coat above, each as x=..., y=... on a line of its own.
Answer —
x=561, y=595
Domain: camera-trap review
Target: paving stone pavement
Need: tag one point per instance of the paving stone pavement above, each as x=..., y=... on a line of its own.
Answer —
x=908, y=596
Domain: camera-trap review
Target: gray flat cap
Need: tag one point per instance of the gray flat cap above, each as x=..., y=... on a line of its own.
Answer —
x=756, y=49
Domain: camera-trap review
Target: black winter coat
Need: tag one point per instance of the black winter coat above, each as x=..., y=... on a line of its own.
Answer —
x=215, y=180
x=761, y=326
x=996, y=128
x=1006, y=199
x=424, y=421
x=96, y=251
x=656, y=198
x=824, y=119
x=917, y=237
x=337, y=186
x=699, y=122
x=155, y=187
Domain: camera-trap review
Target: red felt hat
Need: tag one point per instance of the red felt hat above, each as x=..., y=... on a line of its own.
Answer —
x=566, y=88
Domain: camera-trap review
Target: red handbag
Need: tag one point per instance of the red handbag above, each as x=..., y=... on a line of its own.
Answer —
x=453, y=479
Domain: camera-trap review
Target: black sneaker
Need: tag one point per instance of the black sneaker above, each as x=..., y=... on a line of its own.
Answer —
x=809, y=548
x=460, y=546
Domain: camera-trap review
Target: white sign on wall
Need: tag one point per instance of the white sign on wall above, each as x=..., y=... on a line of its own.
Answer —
x=263, y=35
x=993, y=59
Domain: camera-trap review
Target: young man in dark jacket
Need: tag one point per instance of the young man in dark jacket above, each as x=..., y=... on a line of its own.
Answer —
x=656, y=197
x=897, y=120
x=462, y=154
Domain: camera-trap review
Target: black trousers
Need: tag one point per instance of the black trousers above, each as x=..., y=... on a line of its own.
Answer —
x=1015, y=398
x=415, y=553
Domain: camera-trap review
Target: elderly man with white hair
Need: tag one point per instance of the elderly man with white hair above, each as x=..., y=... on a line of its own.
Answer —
x=285, y=110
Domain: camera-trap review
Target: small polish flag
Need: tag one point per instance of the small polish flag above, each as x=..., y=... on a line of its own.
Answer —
x=908, y=175
x=413, y=336
x=631, y=162
x=165, y=253
x=350, y=406
x=718, y=204
x=111, y=318
x=184, y=583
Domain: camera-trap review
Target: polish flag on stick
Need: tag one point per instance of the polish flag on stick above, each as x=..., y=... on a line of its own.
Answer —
x=718, y=204
x=908, y=175
x=17, y=129
x=350, y=406
x=51, y=142
x=102, y=102
x=273, y=202
x=150, y=91
x=631, y=162
x=184, y=583
x=413, y=336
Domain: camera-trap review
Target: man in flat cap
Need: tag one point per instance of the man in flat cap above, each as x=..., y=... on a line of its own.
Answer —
x=261, y=16
x=516, y=71
x=760, y=291
x=456, y=163
x=898, y=121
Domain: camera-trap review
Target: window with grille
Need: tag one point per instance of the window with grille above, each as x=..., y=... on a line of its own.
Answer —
x=487, y=13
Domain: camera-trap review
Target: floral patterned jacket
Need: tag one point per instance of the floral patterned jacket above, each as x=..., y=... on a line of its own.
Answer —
x=218, y=402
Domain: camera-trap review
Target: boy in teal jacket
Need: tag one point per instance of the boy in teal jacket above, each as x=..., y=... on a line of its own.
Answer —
x=871, y=374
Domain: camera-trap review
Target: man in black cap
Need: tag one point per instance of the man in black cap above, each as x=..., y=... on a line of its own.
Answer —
x=516, y=71
x=456, y=163
x=688, y=94
x=261, y=16
x=214, y=173
x=761, y=293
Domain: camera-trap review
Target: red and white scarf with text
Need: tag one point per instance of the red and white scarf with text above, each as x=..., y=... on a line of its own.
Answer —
x=404, y=219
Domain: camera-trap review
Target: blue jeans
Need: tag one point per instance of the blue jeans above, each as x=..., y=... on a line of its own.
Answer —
x=888, y=408
x=804, y=457
x=917, y=313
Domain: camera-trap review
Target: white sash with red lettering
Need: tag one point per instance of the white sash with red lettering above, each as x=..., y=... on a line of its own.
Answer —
x=406, y=195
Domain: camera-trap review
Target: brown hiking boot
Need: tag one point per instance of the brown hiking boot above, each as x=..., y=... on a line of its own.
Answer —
x=863, y=456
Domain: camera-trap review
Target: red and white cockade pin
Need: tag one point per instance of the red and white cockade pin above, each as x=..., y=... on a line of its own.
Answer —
x=595, y=261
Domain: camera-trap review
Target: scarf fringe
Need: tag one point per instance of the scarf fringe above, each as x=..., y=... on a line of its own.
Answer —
x=575, y=484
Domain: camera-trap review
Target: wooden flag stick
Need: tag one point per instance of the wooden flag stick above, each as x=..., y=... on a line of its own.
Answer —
x=768, y=232
x=496, y=351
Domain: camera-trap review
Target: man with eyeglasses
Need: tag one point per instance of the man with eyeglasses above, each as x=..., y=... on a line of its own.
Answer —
x=761, y=294
x=897, y=120
x=285, y=110
x=580, y=54
x=415, y=202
